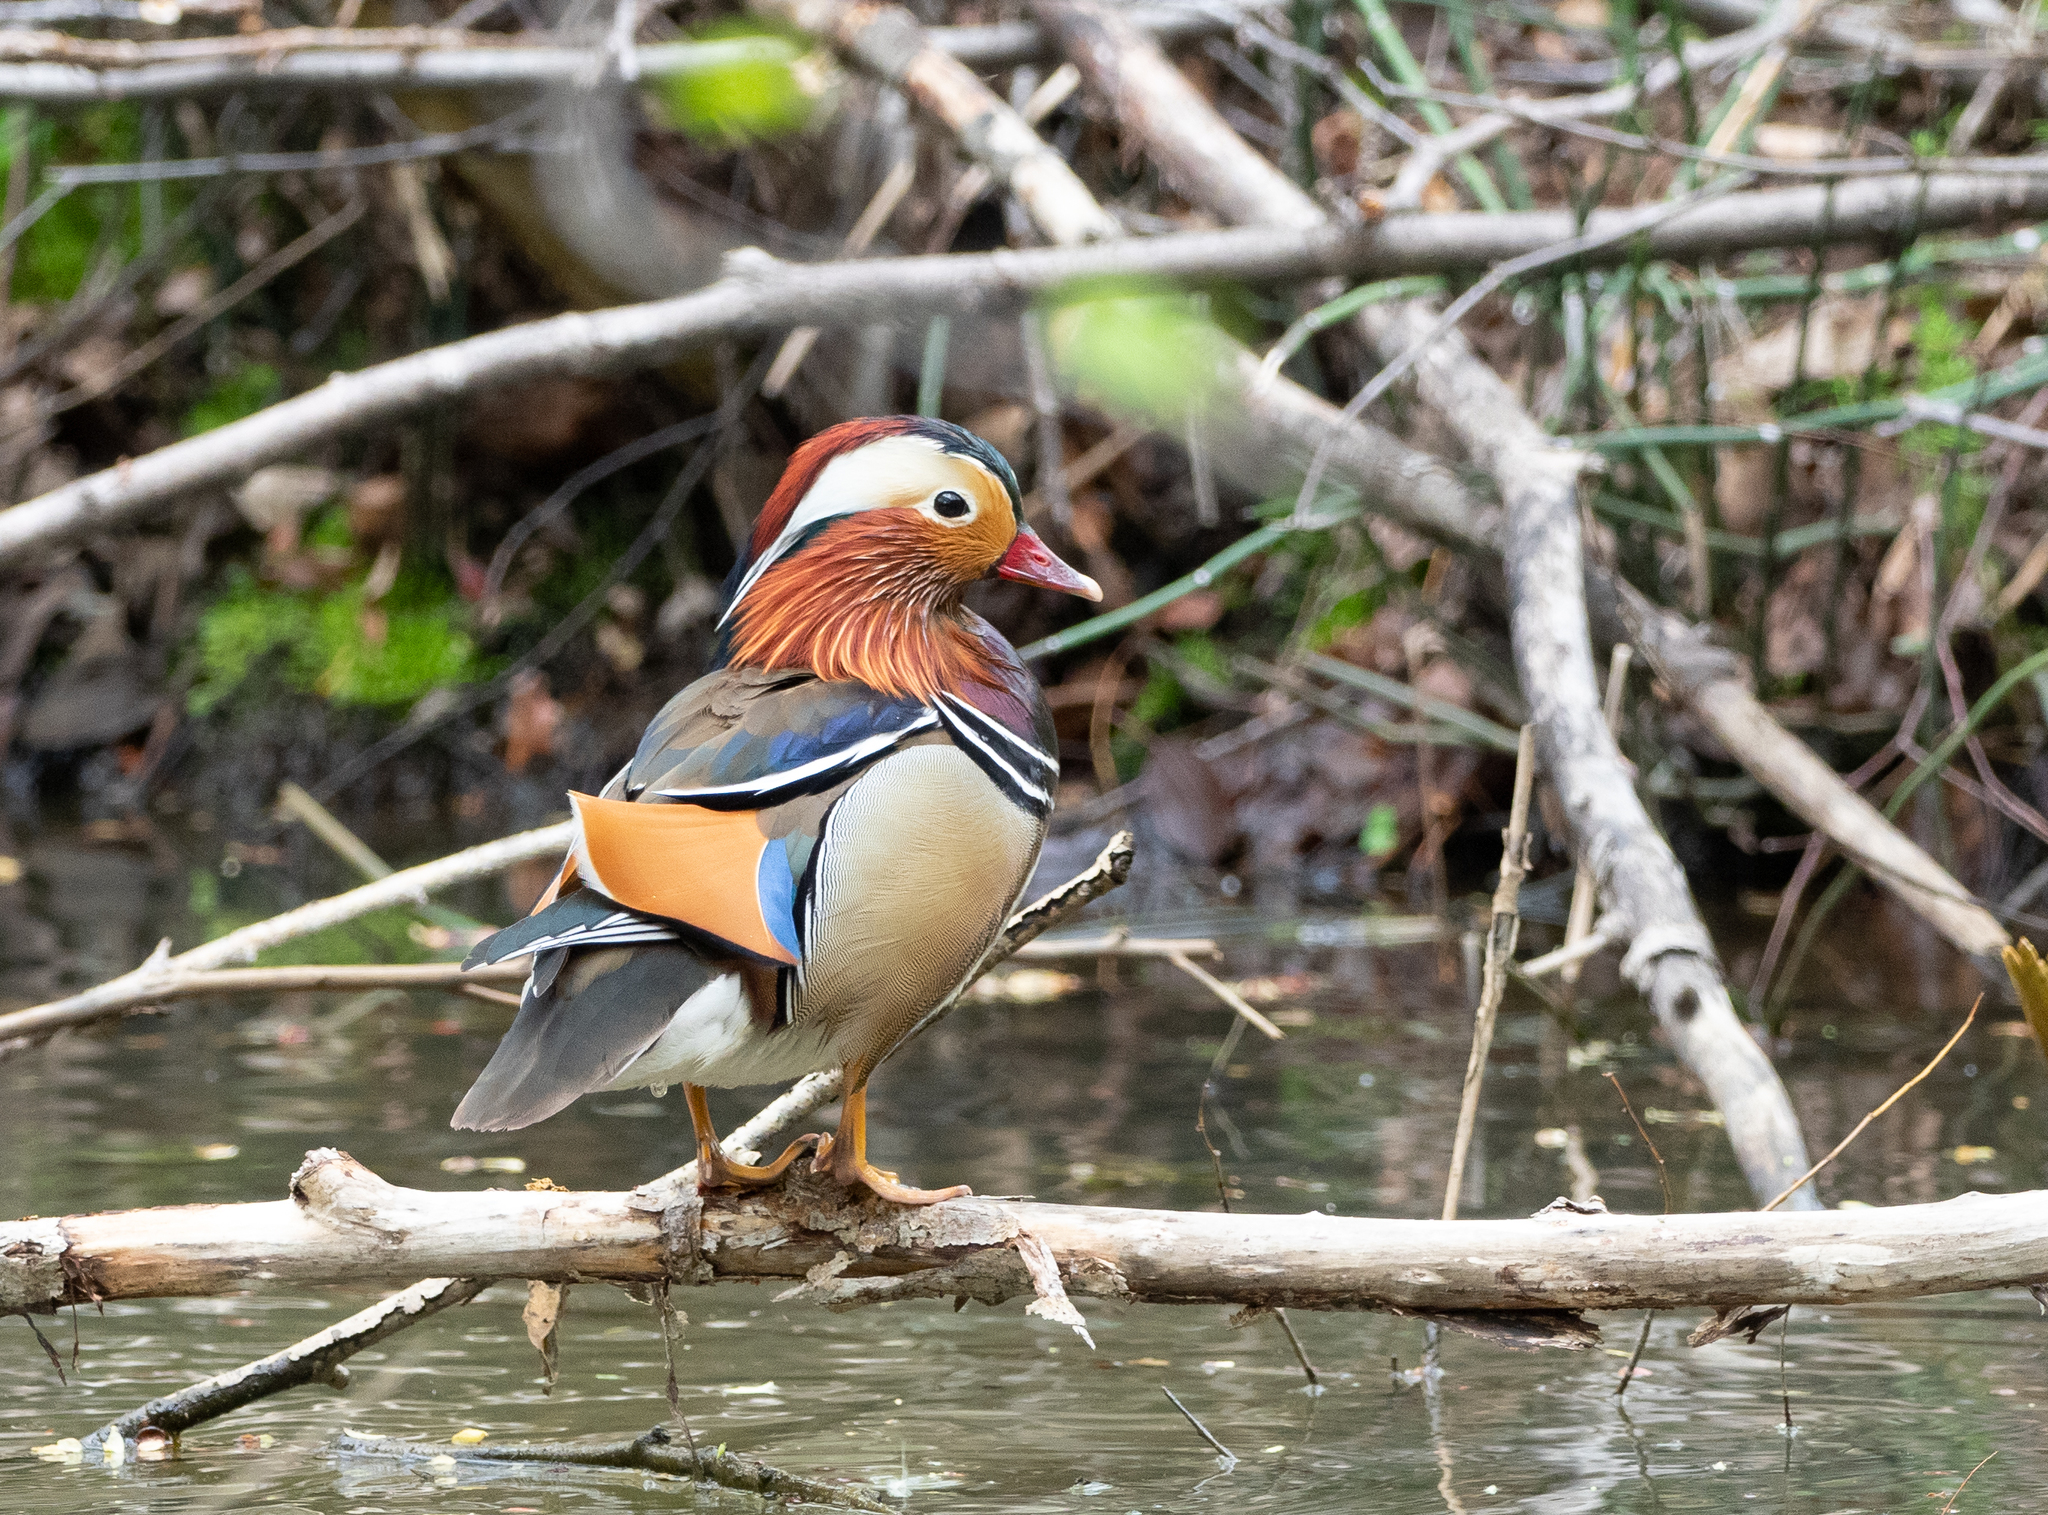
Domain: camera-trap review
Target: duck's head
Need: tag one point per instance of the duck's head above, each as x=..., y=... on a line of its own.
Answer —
x=868, y=544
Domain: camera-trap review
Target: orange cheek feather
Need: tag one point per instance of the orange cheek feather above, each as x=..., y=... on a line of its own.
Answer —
x=680, y=861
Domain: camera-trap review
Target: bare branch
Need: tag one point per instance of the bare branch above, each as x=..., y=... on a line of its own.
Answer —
x=760, y=295
x=316, y=1359
x=1708, y=681
x=54, y=68
x=159, y=977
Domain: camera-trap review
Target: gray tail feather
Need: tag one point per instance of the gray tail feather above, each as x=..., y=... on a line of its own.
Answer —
x=603, y=1009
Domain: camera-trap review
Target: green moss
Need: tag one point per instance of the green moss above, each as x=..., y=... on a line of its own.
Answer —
x=56, y=254
x=1159, y=702
x=231, y=397
x=323, y=643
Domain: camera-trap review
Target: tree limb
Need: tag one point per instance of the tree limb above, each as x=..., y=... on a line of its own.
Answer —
x=1671, y=956
x=55, y=68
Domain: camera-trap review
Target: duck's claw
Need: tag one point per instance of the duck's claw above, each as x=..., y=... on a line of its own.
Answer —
x=849, y=1168
x=716, y=1171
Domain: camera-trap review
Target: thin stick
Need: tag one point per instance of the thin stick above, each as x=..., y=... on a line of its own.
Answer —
x=1897, y=1095
x=1586, y=887
x=649, y=1451
x=1784, y=1386
x=1663, y=1178
x=1567, y=959
x=1315, y=1379
x=145, y=985
x=293, y=803
x=1629, y=1370
x=1500, y=950
x=1224, y=992
x=1223, y=1453
x=1965, y=1484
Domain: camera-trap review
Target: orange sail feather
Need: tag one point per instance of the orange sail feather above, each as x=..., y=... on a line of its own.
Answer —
x=684, y=862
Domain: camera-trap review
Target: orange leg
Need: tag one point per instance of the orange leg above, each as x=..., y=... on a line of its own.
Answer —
x=714, y=1169
x=845, y=1156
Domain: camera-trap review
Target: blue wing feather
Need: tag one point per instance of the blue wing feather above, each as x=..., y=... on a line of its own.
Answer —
x=752, y=738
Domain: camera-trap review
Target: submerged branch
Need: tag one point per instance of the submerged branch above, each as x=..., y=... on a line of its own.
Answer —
x=654, y=1452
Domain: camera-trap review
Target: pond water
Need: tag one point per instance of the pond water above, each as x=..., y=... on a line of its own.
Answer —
x=1089, y=1098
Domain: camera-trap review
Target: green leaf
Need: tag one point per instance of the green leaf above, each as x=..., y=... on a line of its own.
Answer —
x=1150, y=350
x=743, y=87
x=1382, y=832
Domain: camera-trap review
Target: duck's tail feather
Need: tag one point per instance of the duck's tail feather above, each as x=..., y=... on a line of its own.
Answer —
x=598, y=1009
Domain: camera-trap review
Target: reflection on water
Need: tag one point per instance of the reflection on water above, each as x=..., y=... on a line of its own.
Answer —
x=1088, y=1098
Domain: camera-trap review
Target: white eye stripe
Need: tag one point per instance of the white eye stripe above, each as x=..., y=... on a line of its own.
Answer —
x=880, y=474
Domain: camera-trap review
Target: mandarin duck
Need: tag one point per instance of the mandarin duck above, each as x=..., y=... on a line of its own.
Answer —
x=816, y=842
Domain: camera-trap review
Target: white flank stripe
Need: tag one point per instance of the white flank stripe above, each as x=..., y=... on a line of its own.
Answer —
x=989, y=723
x=965, y=733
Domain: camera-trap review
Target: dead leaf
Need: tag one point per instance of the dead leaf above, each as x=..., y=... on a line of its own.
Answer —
x=1191, y=612
x=543, y=1313
x=620, y=647
x=1840, y=334
x=90, y=362
x=1187, y=804
x=281, y=494
x=532, y=717
x=529, y=423
x=2030, y=980
x=1795, y=642
x=695, y=602
x=376, y=510
x=1337, y=140
x=184, y=291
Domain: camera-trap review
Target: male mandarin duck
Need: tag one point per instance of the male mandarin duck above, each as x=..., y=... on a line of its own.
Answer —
x=817, y=841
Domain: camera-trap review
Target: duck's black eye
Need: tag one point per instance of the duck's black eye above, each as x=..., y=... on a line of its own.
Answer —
x=950, y=505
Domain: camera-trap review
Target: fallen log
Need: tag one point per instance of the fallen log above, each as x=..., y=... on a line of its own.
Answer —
x=343, y=1224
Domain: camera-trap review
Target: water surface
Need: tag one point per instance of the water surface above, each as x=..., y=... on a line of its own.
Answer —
x=1086, y=1098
